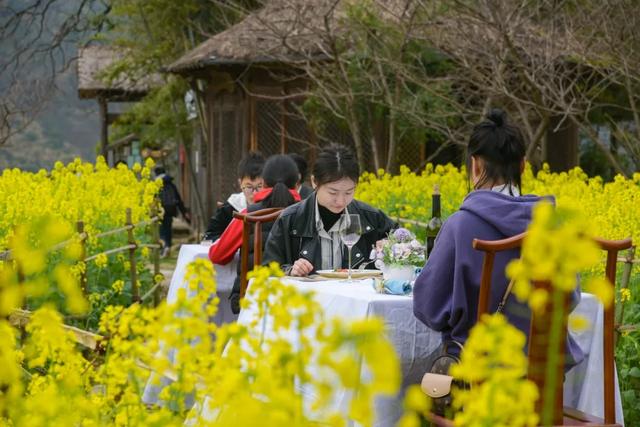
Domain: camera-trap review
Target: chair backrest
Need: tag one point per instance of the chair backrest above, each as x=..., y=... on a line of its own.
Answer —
x=541, y=324
x=257, y=219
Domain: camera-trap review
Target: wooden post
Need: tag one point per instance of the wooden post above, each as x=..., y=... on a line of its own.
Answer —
x=20, y=274
x=135, y=292
x=547, y=337
x=283, y=127
x=155, y=238
x=83, y=255
x=485, y=284
x=608, y=344
x=253, y=125
x=624, y=284
x=104, y=127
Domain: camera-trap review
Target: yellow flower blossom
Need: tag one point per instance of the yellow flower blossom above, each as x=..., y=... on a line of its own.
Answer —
x=101, y=260
x=118, y=286
x=625, y=295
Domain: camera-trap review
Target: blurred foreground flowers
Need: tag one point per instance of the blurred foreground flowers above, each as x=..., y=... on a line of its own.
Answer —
x=242, y=375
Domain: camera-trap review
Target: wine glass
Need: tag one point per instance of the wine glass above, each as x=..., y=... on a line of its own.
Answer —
x=350, y=231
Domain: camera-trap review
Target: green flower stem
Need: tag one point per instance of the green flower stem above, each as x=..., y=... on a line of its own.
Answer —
x=553, y=357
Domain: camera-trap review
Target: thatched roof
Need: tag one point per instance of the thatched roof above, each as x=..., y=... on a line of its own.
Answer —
x=283, y=31
x=92, y=63
x=287, y=31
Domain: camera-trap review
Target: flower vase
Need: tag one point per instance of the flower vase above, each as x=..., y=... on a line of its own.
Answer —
x=399, y=272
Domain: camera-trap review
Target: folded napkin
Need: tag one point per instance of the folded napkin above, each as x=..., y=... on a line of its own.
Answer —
x=392, y=287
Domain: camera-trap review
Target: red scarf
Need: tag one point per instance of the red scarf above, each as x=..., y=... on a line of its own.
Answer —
x=264, y=193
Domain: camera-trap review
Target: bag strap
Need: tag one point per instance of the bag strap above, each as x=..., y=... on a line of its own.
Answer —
x=505, y=296
x=445, y=346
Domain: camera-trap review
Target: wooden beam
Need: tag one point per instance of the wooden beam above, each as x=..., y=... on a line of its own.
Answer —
x=283, y=127
x=20, y=318
x=104, y=126
x=253, y=125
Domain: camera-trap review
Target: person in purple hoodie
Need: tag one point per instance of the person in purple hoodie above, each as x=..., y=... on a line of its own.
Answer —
x=445, y=295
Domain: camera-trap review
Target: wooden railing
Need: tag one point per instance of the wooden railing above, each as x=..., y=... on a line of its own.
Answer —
x=131, y=247
x=20, y=317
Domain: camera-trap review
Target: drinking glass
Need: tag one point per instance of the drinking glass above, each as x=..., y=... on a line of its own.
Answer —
x=350, y=231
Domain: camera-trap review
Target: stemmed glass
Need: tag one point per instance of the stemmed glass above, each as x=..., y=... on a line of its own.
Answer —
x=350, y=231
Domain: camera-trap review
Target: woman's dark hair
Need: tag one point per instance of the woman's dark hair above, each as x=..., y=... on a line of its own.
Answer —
x=501, y=146
x=302, y=165
x=281, y=174
x=251, y=165
x=333, y=163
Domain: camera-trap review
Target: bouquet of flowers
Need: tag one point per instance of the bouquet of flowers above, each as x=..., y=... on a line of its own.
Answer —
x=399, y=249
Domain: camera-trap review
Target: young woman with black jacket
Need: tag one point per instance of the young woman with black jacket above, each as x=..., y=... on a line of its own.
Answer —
x=306, y=238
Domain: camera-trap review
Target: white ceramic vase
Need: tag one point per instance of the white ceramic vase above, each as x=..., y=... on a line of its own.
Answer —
x=399, y=272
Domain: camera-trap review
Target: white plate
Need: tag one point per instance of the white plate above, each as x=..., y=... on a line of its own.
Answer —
x=343, y=274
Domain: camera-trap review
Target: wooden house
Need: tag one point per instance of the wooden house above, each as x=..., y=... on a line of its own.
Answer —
x=250, y=84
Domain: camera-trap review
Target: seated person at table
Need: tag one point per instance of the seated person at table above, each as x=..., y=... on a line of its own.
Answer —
x=280, y=176
x=250, y=181
x=306, y=238
x=445, y=295
x=304, y=190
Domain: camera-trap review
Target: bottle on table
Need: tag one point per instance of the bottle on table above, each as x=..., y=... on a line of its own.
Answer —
x=434, y=224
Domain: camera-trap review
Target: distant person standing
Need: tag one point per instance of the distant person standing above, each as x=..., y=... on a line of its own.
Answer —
x=171, y=204
x=303, y=189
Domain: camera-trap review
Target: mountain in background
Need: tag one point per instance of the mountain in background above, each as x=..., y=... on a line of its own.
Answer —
x=66, y=126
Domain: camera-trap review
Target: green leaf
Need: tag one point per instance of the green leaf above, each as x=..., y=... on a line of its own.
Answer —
x=635, y=372
x=629, y=396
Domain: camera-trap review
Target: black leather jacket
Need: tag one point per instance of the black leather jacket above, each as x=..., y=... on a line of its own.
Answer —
x=294, y=235
x=219, y=222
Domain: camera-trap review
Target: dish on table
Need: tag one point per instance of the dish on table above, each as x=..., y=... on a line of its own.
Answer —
x=343, y=273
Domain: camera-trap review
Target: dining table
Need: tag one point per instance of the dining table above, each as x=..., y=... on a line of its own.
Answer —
x=412, y=341
x=225, y=276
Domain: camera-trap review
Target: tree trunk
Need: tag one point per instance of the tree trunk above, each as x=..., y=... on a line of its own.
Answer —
x=392, y=159
x=561, y=144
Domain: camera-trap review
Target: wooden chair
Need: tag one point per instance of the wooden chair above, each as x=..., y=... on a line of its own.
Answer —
x=539, y=333
x=256, y=218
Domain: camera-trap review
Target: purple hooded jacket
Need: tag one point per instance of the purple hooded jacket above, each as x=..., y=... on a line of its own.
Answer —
x=445, y=295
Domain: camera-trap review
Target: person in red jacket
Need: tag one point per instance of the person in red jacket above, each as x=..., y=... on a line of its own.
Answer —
x=280, y=175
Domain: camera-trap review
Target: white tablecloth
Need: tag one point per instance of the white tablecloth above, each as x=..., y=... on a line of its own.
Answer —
x=414, y=342
x=225, y=276
x=584, y=386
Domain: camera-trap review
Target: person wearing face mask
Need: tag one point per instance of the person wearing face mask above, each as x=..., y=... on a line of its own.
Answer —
x=306, y=237
x=445, y=294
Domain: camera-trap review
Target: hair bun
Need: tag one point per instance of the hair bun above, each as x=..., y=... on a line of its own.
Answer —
x=497, y=116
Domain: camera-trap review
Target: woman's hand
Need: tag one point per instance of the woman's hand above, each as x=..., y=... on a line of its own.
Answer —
x=301, y=267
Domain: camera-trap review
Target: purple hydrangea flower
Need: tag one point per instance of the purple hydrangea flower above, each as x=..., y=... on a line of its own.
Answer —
x=416, y=245
x=402, y=235
x=396, y=250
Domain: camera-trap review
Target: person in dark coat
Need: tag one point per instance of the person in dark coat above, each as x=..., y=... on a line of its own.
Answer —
x=445, y=295
x=171, y=204
x=304, y=190
x=280, y=175
x=305, y=238
x=250, y=182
